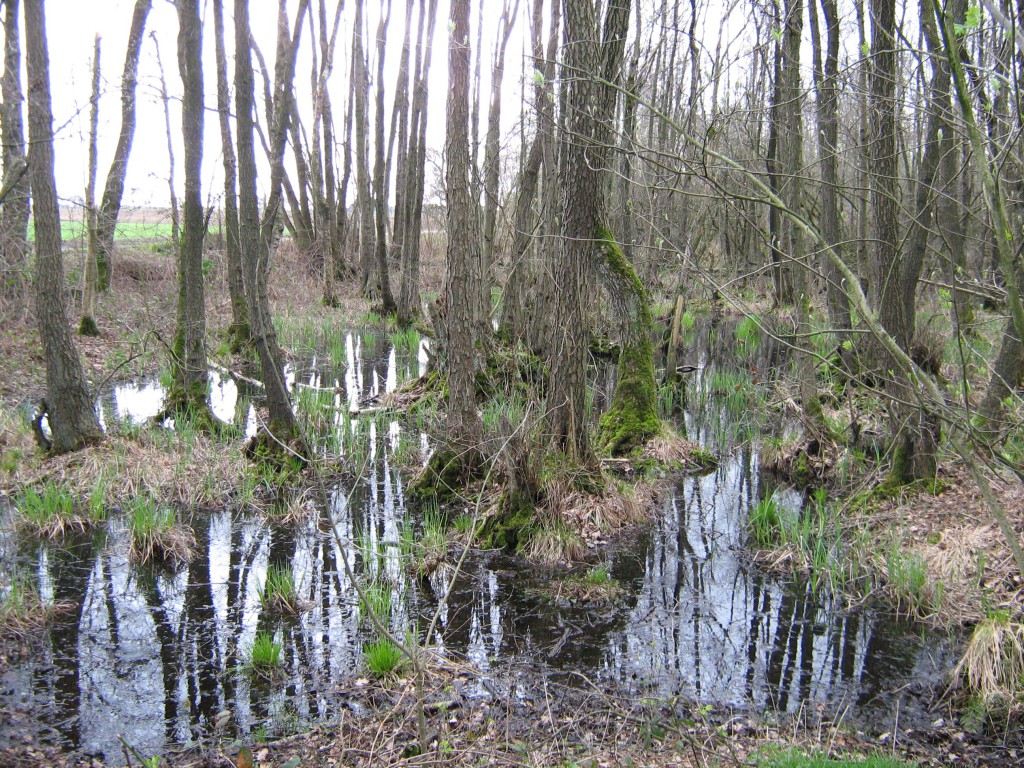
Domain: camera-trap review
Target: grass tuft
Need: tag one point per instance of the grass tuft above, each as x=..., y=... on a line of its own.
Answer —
x=265, y=652
x=280, y=592
x=156, y=535
x=48, y=513
x=383, y=658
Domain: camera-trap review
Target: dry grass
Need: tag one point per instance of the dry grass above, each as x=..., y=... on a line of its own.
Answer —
x=992, y=666
x=192, y=471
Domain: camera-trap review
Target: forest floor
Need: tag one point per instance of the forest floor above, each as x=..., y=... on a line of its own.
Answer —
x=950, y=533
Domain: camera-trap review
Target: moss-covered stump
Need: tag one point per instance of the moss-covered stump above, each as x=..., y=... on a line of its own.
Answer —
x=633, y=416
x=512, y=525
x=446, y=473
x=286, y=456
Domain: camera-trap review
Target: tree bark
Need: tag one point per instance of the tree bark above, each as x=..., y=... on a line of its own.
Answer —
x=68, y=404
x=463, y=240
x=87, y=325
x=110, y=208
x=380, y=181
x=239, y=333
x=14, y=209
x=256, y=235
x=189, y=393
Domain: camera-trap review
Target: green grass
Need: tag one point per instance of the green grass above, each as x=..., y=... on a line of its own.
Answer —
x=376, y=600
x=748, y=334
x=21, y=606
x=280, y=592
x=794, y=758
x=382, y=658
x=124, y=230
x=265, y=652
x=155, y=533
x=912, y=589
x=598, y=576
x=48, y=512
x=765, y=522
x=405, y=340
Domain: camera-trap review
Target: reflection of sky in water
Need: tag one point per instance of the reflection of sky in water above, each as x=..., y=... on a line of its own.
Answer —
x=697, y=621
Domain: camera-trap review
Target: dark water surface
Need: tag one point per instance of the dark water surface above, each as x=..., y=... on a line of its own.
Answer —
x=157, y=655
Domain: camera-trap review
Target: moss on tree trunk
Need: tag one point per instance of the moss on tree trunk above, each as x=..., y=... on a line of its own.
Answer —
x=633, y=416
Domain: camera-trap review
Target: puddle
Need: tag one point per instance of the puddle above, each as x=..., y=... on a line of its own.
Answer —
x=158, y=656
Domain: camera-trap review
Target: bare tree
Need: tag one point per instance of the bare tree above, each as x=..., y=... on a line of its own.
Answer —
x=110, y=207
x=463, y=240
x=68, y=404
x=87, y=325
x=238, y=332
x=256, y=236
x=14, y=207
x=380, y=180
x=188, y=359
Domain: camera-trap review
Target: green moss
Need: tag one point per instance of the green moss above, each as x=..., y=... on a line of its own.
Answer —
x=633, y=416
x=445, y=473
x=511, y=528
x=88, y=327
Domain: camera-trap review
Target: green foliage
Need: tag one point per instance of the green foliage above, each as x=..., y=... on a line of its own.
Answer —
x=155, y=533
x=265, y=652
x=376, y=600
x=382, y=658
x=597, y=576
x=748, y=334
x=912, y=588
x=796, y=758
x=48, y=512
x=405, y=340
x=280, y=592
x=766, y=522
x=21, y=605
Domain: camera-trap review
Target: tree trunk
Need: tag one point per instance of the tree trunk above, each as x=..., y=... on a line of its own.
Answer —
x=380, y=181
x=87, y=325
x=409, y=295
x=68, y=404
x=256, y=236
x=189, y=392
x=239, y=333
x=363, y=197
x=14, y=209
x=463, y=240
x=492, y=159
x=826, y=80
x=110, y=208
x=172, y=194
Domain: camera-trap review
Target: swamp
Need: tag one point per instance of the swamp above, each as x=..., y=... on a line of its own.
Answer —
x=631, y=429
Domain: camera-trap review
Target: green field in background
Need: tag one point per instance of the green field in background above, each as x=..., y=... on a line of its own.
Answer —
x=129, y=231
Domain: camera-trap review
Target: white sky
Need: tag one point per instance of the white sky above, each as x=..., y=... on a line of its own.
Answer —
x=73, y=24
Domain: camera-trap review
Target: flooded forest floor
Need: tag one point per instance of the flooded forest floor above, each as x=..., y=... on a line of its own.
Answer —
x=692, y=638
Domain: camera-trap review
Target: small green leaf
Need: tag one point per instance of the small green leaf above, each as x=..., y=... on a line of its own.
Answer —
x=847, y=345
x=865, y=49
x=973, y=16
x=538, y=77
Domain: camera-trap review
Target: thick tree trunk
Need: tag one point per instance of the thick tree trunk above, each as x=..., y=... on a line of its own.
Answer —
x=68, y=405
x=463, y=240
x=110, y=207
x=189, y=393
x=14, y=209
x=238, y=332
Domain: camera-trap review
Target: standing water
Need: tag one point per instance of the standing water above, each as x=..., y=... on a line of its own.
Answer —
x=164, y=657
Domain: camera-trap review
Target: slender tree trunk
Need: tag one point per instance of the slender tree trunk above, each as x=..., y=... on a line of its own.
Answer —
x=463, y=239
x=238, y=332
x=409, y=296
x=14, y=209
x=68, y=404
x=492, y=159
x=189, y=393
x=171, y=193
x=87, y=325
x=826, y=80
x=256, y=236
x=110, y=208
x=363, y=198
x=380, y=182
